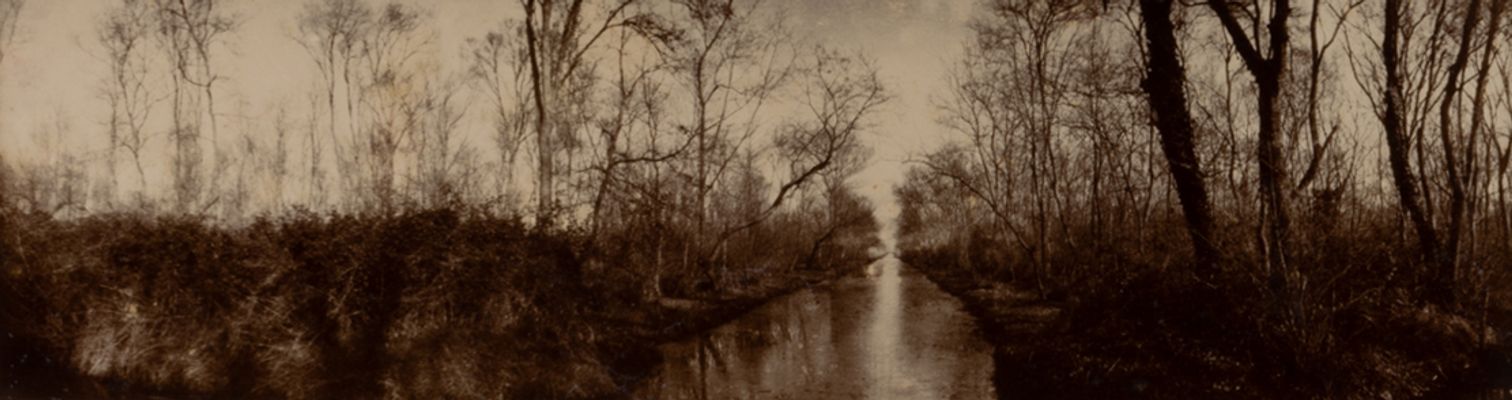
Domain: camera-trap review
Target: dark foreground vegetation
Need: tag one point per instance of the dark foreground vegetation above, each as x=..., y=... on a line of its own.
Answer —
x=1228, y=199
x=1137, y=332
x=425, y=304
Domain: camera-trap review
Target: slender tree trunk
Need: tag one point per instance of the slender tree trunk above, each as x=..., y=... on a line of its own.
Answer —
x=1399, y=146
x=543, y=145
x=1163, y=82
x=1273, y=174
x=1268, y=71
x=1444, y=277
x=209, y=90
x=1314, y=76
x=1477, y=120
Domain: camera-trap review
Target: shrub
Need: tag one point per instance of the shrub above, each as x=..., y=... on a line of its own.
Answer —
x=437, y=303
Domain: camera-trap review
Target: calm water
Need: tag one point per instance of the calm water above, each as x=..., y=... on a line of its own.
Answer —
x=885, y=334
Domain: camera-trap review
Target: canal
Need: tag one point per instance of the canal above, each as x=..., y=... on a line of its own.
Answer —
x=885, y=333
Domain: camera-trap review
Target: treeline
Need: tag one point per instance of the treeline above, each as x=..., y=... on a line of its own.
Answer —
x=682, y=149
x=686, y=125
x=1232, y=198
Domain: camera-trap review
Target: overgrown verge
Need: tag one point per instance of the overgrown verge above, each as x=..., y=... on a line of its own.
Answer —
x=426, y=304
x=1137, y=330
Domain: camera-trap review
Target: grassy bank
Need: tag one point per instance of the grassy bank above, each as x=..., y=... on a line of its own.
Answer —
x=426, y=304
x=1141, y=334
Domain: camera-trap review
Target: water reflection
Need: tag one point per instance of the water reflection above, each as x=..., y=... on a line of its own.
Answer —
x=887, y=334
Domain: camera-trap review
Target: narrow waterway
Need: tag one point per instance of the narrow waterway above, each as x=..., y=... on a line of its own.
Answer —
x=887, y=333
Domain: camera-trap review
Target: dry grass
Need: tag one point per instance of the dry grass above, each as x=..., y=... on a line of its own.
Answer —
x=426, y=304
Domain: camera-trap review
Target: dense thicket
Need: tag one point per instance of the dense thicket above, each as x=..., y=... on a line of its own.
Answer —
x=422, y=304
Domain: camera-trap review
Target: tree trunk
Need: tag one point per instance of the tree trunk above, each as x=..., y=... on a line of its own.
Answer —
x=1443, y=278
x=1163, y=82
x=1399, y=147
x=545, y=202
x=1268, y=72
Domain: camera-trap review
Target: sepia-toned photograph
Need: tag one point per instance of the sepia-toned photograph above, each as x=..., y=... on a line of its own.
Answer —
x=755, y=199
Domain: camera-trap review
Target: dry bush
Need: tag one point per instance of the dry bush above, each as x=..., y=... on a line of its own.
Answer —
x=440, y=303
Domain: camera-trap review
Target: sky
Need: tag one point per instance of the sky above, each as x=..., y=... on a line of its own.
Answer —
x=53, y=71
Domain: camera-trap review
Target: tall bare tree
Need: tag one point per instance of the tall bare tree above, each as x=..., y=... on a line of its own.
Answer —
x=731, y=61
x=331, y=31
x=10, y=17
x=277, y=161
x=1449, y=135
x=1028, y=44
x=1269, y=68
x=1479, y=135
x=123, y=34
x=1393, y=118
x=558, y=36
x=498, y=71
x=1164, y=82
x=841, y=94
x=186, y=31
x=391, y=95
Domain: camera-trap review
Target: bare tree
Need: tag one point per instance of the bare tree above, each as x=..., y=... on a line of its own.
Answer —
x=1269, y=70
x=10, y=17
x=331, y=31
x=368, y=57
x=841, y=94
x=1165, y=80
x=277, y=160
x=1028, y=47
x=444, y=169
x=1500, y=152
x=1111, y=117
x=1478, y=124
x=53, y=182
x=986, y=166
x=558, y=36
x=1320, y=143
x=315, y=178
x=498, y=70
x=731, y=62
x=392, y=108
x=123, y=34
x=636, y=101
x=186, y=31
x=1456, y=172
x=1397, y=142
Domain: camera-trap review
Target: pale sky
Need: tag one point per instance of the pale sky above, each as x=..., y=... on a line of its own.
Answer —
x=52, y=72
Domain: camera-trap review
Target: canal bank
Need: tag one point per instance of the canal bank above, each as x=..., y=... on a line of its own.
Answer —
x=1008, y=317
x=1076, y=349
x=631, y=353
x=1060, y=348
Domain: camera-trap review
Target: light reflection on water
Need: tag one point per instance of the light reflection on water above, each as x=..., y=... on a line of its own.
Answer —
x=888, y=334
